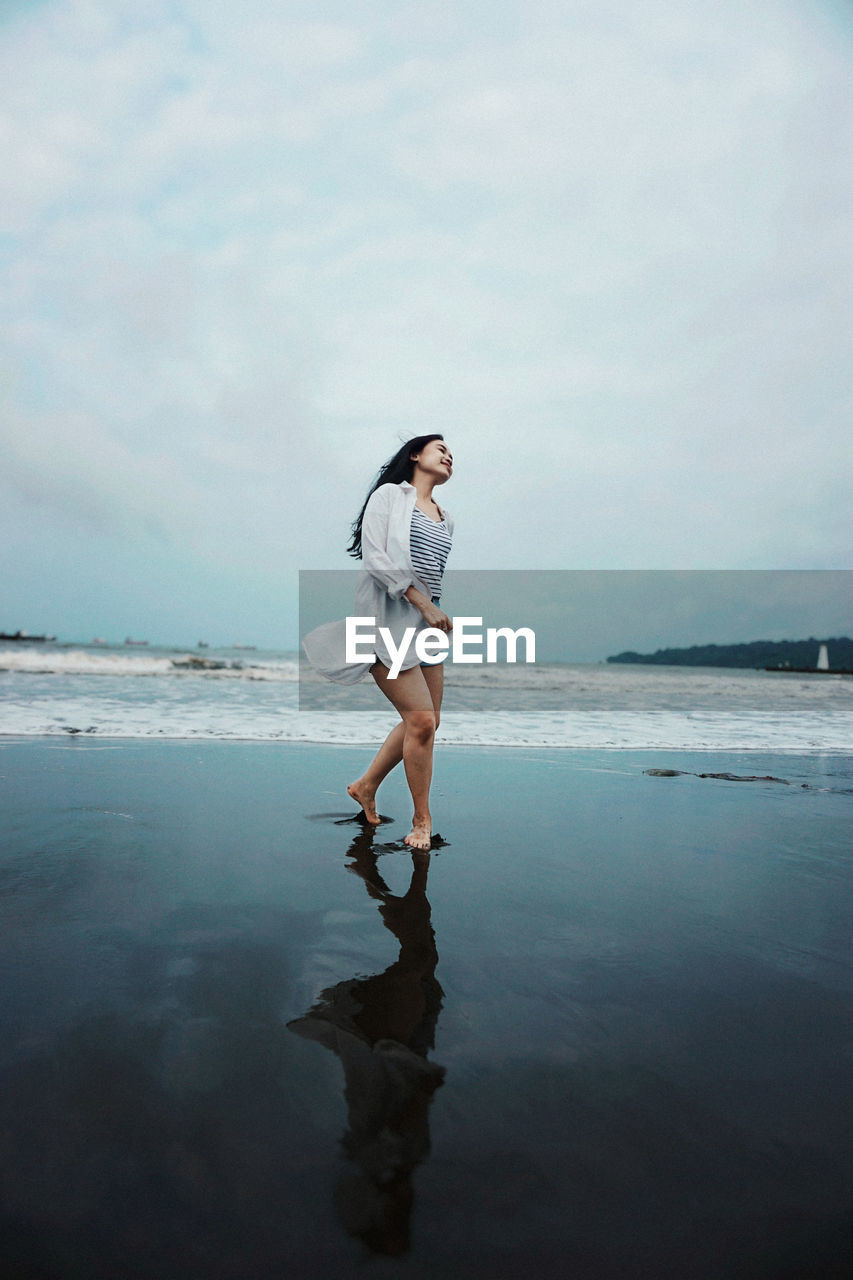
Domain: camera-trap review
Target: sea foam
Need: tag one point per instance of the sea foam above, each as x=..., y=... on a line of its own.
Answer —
x=165, y=694
x=83, y=662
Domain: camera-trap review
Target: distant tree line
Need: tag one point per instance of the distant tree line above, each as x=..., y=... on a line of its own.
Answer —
x=759, y=653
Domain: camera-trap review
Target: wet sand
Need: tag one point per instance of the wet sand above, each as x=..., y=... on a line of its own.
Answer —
x=603, y=1030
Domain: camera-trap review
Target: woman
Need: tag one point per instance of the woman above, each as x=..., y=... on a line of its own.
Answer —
x=403, y=537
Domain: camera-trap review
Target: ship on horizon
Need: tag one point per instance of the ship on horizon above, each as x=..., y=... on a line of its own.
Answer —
x=25, y=636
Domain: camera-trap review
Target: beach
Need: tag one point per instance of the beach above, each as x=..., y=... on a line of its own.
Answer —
x=603, y=1029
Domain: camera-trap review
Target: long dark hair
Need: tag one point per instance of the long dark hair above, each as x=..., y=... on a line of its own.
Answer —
x=400, y=467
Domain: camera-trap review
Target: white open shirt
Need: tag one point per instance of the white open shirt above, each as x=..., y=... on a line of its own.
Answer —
x=387, y=572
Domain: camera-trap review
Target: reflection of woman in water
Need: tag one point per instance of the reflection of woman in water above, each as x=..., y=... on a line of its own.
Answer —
x=382, y=1028
x=403, y=537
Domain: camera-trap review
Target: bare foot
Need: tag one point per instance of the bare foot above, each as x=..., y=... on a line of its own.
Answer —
x=365, y=795
x=420, y=836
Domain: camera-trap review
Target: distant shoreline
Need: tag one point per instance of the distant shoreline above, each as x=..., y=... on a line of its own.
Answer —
x=775, y=655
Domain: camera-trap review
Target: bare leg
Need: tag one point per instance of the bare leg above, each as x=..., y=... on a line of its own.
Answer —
x=363, y=790
x=411, y=696
x=434, y=677
x=389, y=755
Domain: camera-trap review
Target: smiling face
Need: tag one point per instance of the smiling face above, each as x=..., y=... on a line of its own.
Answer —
x=436, y=460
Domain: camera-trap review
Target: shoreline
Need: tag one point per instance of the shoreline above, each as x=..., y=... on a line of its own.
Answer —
x=82, y=736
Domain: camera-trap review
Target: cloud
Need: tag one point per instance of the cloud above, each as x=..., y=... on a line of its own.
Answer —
x=605, y=250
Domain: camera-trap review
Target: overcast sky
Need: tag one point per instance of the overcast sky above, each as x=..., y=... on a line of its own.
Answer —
x=245, y=249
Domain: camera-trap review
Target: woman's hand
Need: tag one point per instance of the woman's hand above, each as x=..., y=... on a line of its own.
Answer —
x=435, y=617
x=432, y=615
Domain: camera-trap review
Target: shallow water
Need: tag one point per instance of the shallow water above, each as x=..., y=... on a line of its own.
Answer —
x=605, y=1029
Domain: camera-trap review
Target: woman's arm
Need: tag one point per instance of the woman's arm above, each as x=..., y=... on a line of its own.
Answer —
x=394, y=578
x=432, y=615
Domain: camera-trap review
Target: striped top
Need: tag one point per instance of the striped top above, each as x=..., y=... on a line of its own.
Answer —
x=429, y=543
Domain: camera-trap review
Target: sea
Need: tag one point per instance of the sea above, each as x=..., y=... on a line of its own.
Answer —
x=120, y=691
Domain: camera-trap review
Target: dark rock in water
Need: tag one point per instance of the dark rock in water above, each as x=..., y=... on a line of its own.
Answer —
x=193, y=663
x=725, y=777
x=739, y=777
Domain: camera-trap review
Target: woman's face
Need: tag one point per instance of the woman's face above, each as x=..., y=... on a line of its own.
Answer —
x=436, y=460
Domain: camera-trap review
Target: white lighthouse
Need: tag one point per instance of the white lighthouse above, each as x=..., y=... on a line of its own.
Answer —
x=823, y=658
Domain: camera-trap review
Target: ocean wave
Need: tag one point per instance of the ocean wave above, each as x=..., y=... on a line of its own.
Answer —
x=214, y=696
x=582, y=731
x=84, y=662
